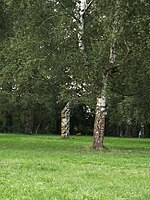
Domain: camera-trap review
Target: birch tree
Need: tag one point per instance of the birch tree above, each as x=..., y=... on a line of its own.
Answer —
x=80, y=15
x=100, y=113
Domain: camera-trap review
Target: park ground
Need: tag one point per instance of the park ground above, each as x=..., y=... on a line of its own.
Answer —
x=43, y=167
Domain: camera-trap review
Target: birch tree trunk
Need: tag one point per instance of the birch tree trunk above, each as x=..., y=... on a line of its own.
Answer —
x=65, y=121
x=65, y=114
x=80, y=10
x=100, y=113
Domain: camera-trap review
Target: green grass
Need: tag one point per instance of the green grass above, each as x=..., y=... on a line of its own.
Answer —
x=48, y=167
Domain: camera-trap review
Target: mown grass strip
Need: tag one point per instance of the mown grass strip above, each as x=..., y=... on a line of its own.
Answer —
x=47, y=167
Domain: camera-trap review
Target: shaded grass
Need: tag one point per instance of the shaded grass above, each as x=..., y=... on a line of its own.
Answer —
x=47, y=167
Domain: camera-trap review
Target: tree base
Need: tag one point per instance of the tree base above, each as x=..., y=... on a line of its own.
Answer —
x=64, y=136
x=99, y=148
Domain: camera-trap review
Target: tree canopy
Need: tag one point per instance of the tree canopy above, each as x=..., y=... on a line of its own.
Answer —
x=42, y=65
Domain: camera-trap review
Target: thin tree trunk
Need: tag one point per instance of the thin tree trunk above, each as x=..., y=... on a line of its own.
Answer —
x=65, y=113
x=37, y=128
x=28, y=123
x=80, y=8
x=141, y=132
x=65, y=121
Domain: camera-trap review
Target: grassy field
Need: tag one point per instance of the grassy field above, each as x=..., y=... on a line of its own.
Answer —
x=48, y=167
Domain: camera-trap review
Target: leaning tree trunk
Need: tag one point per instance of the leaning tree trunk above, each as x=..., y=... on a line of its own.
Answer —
x=38, y=127
x=65, y=121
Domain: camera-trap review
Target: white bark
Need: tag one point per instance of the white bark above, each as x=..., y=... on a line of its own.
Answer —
x=65, y=114
x=99, y=123
x=65, y=121
x=80, y=9
x=100, y=113
x=101, y=101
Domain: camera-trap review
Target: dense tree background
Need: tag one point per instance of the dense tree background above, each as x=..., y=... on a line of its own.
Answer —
x=41, y=67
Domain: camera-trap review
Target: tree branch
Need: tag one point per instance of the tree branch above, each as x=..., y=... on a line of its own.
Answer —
x=70, y=13
x=123, y=93
x=89, y=5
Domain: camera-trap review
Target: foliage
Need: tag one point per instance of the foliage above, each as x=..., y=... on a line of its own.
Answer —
x=28, y=72
x=42, y=67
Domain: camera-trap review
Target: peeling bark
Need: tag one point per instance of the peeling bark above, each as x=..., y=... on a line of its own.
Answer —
x=65, y=114
x=99, y=123
x=81, y=7
x=65, y=121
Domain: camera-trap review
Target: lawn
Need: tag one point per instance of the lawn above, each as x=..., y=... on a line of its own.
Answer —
x=48, y=167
